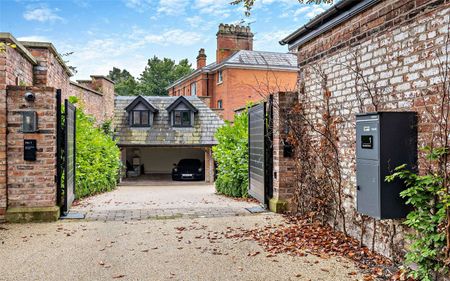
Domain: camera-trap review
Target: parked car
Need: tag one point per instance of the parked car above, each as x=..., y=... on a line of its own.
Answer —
x=188, y=169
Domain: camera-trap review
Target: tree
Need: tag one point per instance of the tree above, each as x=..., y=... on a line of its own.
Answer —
x=125, y=82
x=248, y=4
x=160, y=73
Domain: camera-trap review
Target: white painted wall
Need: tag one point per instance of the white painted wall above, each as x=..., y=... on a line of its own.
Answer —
x=161, y=160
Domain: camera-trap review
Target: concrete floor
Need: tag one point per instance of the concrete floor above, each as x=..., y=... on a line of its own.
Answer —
x=157, y=179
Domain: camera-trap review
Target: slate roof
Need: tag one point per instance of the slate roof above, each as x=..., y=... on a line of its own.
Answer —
x=248, y=59
x=162, y=133
x=270, y=59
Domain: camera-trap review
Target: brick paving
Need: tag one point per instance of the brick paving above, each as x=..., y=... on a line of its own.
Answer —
x=160, y=200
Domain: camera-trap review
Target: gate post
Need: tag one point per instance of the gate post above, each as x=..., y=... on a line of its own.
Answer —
x=284, y=180
x=31, y=154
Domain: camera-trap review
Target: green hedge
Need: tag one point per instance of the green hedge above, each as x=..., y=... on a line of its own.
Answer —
x=97, y=156
x=231, y=155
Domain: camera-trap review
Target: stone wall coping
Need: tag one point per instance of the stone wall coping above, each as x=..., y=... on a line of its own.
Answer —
x=49, y=46
x=7, y=37
x=103, y=77
x=86, y=88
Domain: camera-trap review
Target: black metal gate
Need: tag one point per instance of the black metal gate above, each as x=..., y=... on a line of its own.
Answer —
x=260, y=152
x=66, y=150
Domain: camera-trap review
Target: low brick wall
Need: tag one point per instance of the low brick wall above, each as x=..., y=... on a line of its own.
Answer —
x=31, y=184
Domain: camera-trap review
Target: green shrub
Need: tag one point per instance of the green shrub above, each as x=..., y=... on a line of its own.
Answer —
x=231, y=155
x=428, y=196
x=97, y=156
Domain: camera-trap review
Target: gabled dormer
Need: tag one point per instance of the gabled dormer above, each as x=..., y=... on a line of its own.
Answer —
x=181, y=113
x=140, y=112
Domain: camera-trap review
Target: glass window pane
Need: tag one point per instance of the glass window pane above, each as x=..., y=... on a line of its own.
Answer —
x=136, y=118
x=177, y=118
x=144, y=117
x=186, y=118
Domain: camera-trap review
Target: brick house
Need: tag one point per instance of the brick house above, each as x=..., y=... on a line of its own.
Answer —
x=395, y=45
x=239, y=75
x=28, y=188
x=156, y=132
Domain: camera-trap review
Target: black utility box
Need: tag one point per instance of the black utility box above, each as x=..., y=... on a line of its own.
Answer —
x=29, y=150
x=384, y=140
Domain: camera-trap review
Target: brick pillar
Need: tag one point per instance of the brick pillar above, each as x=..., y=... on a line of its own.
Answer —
x=3, y=193
x=209, y=166
x=284, y=179
x=31, y=184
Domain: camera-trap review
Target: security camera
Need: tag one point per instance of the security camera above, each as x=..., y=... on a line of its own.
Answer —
x=29, y=96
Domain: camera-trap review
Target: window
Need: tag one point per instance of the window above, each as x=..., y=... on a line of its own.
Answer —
x=219, y=104
x=140, y=118
x=219, y=77
x=194, y=89
x=182, y=118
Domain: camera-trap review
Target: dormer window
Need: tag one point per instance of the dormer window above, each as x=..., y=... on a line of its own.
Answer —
x=140, y=112
x=140, y=118
x=182, y=118
x=181, y=113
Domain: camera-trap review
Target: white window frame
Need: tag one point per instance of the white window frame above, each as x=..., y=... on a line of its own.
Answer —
x=193, y=88
x=219, y=77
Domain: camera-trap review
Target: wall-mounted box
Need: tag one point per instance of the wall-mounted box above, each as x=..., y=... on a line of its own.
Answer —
x=384, y=140
x=29, y=150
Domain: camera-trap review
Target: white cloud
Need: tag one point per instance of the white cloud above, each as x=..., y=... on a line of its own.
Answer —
x=98, y=56
x=34, y=38
x=315, y=10
x=305, y=12
x=269, y=40
x=138, y=5
x=200, y=23
x=42, y=14
x=219, y=8
x=172, y=7
x=173, y=36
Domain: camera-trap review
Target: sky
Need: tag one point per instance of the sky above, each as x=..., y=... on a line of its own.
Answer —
x=103, y=34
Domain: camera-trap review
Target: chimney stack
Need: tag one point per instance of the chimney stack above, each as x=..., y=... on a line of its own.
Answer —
x=201, y=58
x=232, y=38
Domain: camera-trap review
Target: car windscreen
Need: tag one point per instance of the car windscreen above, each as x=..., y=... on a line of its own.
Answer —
x=190, y=163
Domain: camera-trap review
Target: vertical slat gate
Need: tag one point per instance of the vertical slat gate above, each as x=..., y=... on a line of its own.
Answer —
x=59, y=148
x=257, y=152
x=69, y=155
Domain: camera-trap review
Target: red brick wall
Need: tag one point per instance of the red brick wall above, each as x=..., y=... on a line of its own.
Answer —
x=284, y=178
x=31, y=183
x=49, y=71
x=395, y=44
x=98, y=104
x=14, y=69
x=239, y=87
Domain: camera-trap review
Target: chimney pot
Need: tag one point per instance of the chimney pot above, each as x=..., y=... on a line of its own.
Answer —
x=232, y=38
x=201, y=58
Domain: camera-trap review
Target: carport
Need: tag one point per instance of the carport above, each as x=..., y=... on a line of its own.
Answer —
x=157, y=162
x=154, y=133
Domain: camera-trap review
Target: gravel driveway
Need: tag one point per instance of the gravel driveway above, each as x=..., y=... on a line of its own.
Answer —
x=172, y=249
